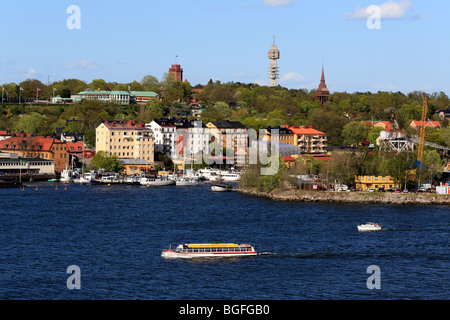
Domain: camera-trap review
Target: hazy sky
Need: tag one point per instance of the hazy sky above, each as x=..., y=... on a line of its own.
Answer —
x=228, y=40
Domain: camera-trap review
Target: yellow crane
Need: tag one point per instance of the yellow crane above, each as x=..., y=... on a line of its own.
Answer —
x=422, y=129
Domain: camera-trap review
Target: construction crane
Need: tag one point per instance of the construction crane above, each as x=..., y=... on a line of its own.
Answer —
x=422, y=129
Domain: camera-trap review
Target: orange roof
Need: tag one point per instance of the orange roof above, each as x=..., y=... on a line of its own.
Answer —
x=75, y=146
x=288, y=158
x=386, y=124
x=28, y=142
x=427, y=124
x=306, y=130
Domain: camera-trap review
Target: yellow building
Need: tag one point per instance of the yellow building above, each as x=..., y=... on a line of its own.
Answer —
x=283, y=134
x=375, y=182
x=126, y=140
x=230, y=135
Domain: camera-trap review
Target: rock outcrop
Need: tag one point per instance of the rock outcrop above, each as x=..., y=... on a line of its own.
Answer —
x=351, y=197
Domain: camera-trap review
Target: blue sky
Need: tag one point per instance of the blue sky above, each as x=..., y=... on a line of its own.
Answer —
x=228, y=40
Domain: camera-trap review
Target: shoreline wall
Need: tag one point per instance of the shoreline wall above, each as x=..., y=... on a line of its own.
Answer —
x=350, y=197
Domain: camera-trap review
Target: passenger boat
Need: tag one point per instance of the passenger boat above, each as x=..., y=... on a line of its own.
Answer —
x=156, y=182
x=216, y=174
x=369, y=226
x=209, y=250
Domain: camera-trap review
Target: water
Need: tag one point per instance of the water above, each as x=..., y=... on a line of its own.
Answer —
x=115, y=234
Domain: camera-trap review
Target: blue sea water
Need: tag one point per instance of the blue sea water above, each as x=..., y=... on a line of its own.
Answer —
x=115, y=234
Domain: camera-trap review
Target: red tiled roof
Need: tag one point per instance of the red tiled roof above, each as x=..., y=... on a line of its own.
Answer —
x=288, y=158
x=427, y=124
x=77, y=146
x=307, y=130
x=28, y=142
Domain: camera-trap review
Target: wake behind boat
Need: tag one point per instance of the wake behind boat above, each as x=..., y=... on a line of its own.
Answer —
x=209, y=250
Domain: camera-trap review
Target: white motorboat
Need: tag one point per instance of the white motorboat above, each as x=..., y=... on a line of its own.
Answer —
x=369, y=226
x=209, y=250
x=66, y=175
x=184, y=181
x=111, y=178
x=221, y=187
x=133, y=180
x=156, y=182
x=83, y=180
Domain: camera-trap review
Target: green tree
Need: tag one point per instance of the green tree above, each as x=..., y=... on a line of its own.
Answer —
x=30, y=123
x=150, y=83
x=330, y=123
x=102, y=160
x=432, y=165
x=374, y=134
x=355, y=132
x=445, y=135
x=98, y=84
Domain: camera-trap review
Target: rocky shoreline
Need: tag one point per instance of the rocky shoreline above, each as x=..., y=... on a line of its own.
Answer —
x=350, y=197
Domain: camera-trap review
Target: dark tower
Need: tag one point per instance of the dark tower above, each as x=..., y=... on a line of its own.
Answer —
x=322, y=93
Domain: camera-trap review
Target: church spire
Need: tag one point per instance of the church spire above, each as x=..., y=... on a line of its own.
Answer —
x=322, y=93
x=322, y=80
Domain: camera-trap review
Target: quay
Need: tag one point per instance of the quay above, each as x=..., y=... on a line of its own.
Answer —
x=350, y=197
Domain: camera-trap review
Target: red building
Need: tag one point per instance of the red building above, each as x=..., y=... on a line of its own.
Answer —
x=177, y=71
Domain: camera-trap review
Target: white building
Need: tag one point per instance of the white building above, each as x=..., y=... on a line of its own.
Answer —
x=180, y=138
x=163, y=136
x=12, y=164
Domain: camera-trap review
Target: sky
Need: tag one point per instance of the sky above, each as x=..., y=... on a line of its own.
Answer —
x=398, y=45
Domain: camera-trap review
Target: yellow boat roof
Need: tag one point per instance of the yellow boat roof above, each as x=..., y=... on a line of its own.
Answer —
x=212, y=245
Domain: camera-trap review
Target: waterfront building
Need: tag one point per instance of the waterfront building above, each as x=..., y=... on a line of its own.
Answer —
x=126, y=140
x=29, y=146
x=120, y=97
x=13, y=165
x=310, y=140
x=135, y=166
x=363, y=183
x=192, y=139
x=163, y=135
x=178, y=138
x=5, y=134
x=231, y=135
x=322, y=93
x=284, y=134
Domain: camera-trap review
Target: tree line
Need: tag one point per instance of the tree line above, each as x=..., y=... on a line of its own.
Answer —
x=253, y=105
